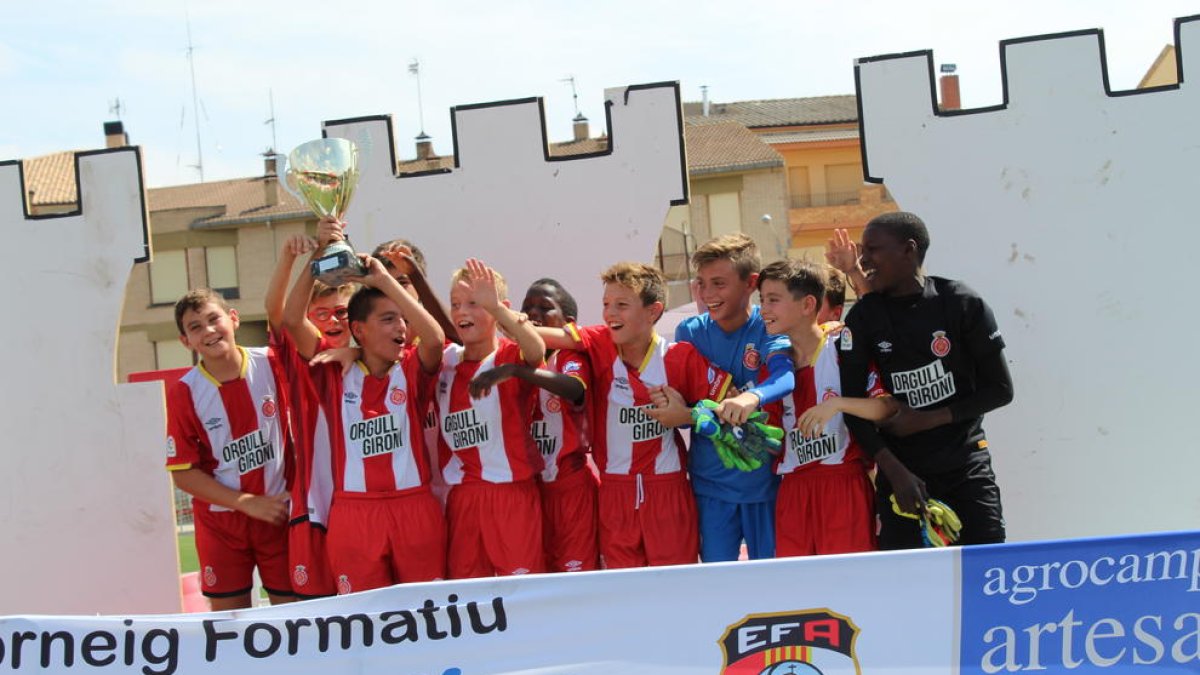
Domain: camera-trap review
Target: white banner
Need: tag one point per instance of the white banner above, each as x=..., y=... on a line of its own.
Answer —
x=840, y=614
x=1114, y=605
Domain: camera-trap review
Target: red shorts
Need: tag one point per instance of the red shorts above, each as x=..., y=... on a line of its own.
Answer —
x=379, y=539
x=569, y=522
x=825, y=509
x=311, y=575
x=647, y=520
x=495, y=529
x=230, y=544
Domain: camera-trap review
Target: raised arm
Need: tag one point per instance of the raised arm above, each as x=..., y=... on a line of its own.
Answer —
x=304, y=334
x=294, y=247
x=432, y=339
x=482, y=281
x=842, y=253
x=404, y=265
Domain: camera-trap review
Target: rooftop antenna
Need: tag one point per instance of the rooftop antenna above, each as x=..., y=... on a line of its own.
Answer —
x=574, y=94
x=414, y=69
x=271, y=120
x=199, y=165
x=115, y=107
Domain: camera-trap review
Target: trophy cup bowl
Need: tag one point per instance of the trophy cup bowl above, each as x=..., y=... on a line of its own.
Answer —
x=323, y=173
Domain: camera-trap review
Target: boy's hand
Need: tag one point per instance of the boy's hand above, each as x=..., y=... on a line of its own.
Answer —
x=481, y=385
x=400, y=258
x=298, y=245
x=482, y=281
x=268, y=508
x=376, y=274
x=841, y=252
x=812, y=421
x=330, y=230
x=670, y=410
x=738, y=409
x=346, y=356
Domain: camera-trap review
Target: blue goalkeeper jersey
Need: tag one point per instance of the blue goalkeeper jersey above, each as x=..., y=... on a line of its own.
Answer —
x=743, y=354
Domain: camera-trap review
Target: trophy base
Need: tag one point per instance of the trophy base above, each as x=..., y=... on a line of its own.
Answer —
x=337, y=268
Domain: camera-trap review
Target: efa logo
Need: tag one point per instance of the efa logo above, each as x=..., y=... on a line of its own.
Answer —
x=397, y=397
x=804, y=642
x=553, y=405
x=268, y=407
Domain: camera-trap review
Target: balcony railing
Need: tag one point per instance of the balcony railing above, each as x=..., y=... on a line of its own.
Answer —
x=843, y=198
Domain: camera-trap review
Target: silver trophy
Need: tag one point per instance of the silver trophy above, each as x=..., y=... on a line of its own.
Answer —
x=323, y=173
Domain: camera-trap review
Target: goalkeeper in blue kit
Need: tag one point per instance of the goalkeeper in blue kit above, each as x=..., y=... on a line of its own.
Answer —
x=734, y=504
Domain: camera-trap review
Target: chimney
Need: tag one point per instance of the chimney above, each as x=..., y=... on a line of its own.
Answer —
x=951, y=100
x=425, y=147
x=270, y=179
x=114, y=135
x=581, y=127
x=704, y=99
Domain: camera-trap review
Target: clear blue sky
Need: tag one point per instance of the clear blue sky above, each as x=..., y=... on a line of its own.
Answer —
x=62, y=63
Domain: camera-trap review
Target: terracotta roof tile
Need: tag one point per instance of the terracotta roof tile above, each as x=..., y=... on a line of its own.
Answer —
x=716, y=148
x=51, y=179
x=778, y=112
x=419, y=165
x=585, y=147
x=243, y=199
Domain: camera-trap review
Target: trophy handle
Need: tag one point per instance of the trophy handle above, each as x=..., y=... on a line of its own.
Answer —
x=285, y=177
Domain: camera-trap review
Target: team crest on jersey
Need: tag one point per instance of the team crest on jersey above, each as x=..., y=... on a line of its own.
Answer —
x=268, y=406
x=343, y=585
x=751, y=358
x=806, y=642
x=941, y=344
x=210, y=577
x=829, y=393
x=554, y=405
x=300, y=575
x=171, y=446
x=398, y=396
x=846, y=339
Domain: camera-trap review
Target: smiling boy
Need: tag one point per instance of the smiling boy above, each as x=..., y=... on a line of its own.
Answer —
x=826, y=500
x=941, y=355
x=488, y=455
x=385, y=526
x=735, y=505
x=228, y=447
x=646, y=509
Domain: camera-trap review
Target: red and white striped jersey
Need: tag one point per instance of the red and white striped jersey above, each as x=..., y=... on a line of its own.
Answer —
x=625, y=441
x=558, y=425
x=486, y=439
x=235, y=431
x=376, y=424
x=816, y=382
x=312, y=475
